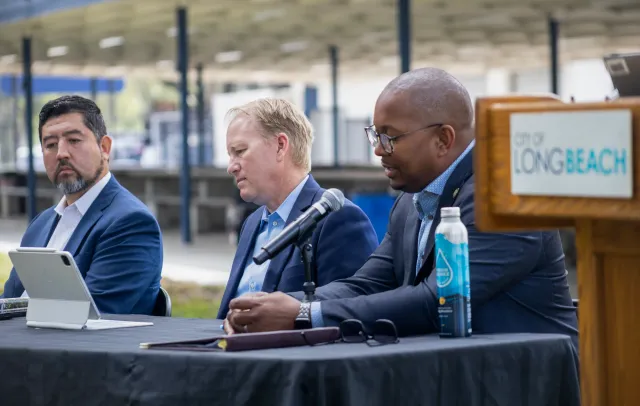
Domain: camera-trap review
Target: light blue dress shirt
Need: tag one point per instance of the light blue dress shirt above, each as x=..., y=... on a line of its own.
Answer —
x=270, y=226
x=426, y=203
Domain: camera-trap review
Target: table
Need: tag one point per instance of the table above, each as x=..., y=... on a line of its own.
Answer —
x=56, y=367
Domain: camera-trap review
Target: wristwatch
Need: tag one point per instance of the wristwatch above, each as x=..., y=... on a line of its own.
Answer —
x=303, y=320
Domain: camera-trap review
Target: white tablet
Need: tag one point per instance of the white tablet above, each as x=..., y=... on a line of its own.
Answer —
x=58, y=295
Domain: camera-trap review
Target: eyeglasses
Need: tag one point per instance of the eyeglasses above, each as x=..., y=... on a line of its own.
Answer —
x=384, y=332
x=387, y=142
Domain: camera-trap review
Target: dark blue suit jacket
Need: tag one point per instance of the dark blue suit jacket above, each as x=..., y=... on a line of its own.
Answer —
x=117, y=247
x=342, y=242
x=518, y=280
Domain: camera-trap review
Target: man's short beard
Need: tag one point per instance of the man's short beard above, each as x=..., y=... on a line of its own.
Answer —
x=80, y=184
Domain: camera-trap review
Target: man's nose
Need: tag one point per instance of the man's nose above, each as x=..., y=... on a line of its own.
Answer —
x=232, y=167
x=379, y=150
x=63, y=151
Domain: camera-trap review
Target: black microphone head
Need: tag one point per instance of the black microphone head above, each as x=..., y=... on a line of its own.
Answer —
x=262, y=257
x=334, y=198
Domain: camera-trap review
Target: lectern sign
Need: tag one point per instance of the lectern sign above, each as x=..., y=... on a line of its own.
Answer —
x=572, y=153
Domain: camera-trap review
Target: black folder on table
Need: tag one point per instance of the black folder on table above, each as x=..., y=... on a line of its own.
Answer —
x=252, y=341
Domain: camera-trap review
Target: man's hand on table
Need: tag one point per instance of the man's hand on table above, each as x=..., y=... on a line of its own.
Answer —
x=261, y=311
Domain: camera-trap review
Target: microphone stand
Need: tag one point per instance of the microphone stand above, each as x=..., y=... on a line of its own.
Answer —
x=306, y=251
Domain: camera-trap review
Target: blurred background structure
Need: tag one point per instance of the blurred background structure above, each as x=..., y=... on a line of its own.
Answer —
x=165, y=73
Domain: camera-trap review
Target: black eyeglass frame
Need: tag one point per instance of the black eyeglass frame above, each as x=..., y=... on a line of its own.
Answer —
x=387, y=142
x=380, y=327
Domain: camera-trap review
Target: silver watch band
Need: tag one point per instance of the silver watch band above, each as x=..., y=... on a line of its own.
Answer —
x=305, y=310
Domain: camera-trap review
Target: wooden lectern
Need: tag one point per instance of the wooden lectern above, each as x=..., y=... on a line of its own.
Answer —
x=518, y=189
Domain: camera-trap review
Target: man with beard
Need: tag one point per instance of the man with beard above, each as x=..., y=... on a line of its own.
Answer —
x=423, y=131
x=114, y=239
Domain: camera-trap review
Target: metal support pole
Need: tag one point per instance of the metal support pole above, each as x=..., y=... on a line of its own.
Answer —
x=28, y=125
x=201, y=157
x=553, y=49
x=16, y=133
x=404, y=34
x=310, y=100
x=333, y=54
x=112, y=103
x=94, y=89
x=185, y=175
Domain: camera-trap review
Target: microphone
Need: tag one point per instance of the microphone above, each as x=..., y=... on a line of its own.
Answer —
x=331, y=200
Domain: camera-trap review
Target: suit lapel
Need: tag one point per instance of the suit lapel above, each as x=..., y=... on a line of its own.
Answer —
x=49, y=225
x=245, y=245
x=410, y=245
x=463, y=171
x=102, y=201
x=277, y=264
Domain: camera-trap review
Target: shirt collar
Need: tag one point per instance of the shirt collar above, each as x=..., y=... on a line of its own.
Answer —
x=85, y=201
x=437, y=186
x=285, y=208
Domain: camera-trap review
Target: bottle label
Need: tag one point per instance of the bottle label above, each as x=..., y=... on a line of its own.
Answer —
x=452, y=279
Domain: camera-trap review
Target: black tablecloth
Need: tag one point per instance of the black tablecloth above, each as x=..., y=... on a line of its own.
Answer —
x=56, y=367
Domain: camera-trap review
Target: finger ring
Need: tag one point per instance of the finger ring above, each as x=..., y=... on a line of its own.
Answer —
x=246, y=329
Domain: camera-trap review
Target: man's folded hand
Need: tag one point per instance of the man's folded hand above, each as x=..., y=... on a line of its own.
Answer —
x=230, y=328
x=262, y=312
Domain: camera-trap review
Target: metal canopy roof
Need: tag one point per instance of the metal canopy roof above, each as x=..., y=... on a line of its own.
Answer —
x=288, y=39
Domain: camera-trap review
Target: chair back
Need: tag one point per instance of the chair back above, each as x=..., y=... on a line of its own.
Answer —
x=163, y=304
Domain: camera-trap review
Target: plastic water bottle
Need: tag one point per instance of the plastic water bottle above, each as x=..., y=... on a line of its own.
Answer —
x=452, y=275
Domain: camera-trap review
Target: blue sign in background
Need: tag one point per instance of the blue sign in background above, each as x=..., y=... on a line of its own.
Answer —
x=61, y=84
x=16, y=10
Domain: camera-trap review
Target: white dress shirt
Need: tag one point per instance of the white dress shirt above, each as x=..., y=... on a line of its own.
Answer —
x=70, y=216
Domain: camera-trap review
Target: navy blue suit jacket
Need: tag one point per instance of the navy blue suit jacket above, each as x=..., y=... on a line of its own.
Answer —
x=518, y=280
x=118, y=249
x=342, y=242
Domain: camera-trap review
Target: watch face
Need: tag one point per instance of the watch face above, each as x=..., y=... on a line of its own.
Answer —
x=302, y=324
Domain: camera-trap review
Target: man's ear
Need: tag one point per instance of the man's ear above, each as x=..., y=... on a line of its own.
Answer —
x=282, y=146
x=446, y=138
x=105, y=146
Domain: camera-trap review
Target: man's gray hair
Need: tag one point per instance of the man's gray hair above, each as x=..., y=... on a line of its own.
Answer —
x=274, y=116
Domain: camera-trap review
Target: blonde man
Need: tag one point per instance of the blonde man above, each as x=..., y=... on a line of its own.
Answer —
x=269, y=146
